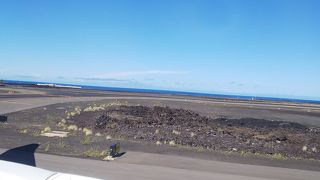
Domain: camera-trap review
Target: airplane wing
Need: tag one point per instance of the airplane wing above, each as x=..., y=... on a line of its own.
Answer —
x=16, y=171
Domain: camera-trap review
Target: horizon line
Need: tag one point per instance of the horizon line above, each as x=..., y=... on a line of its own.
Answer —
x=181, y=92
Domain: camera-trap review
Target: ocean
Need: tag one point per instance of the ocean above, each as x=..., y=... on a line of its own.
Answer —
x=195, y=94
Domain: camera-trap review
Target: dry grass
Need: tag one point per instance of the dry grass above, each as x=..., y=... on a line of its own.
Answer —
x=86, y=140
x=172, y=143
x=278, y=156
x=98, y=134
x=94, y=109
x=47, y=148
x=95, y=153
x=76, y=111
x=304, y=148
x=62, y=144
x=92, y=152
x=192, y=134
x=314, y=149
x=22, y=131
x=176, y=132
x=46, y=130
x=108, y=137
x=87, y=131
x=62, y=124
x=72, y=128
x=36, y=133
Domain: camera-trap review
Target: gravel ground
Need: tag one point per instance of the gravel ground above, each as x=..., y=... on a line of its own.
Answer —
x=165, y=125
x=139, y=123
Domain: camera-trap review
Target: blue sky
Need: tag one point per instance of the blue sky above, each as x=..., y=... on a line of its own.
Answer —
x=264, y=48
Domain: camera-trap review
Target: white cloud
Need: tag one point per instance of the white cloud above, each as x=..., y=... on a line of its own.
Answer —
x=104, y=79
x=123, y=74
x=137, y=79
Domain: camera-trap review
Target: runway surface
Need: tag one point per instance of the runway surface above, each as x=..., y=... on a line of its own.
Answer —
x=139, y=166
x=307, y=114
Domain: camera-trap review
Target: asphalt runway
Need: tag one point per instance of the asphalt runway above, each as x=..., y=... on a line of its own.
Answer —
x=8, y=105
x=36, y=101
x=307, y=114
x=140, y=166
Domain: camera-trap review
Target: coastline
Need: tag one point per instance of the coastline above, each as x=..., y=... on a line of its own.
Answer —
x=37, y=84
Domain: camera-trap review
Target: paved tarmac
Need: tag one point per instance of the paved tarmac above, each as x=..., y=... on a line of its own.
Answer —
x=141, y=166
x=302, y=113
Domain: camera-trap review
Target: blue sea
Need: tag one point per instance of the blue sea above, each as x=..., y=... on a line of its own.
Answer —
x=222, y=96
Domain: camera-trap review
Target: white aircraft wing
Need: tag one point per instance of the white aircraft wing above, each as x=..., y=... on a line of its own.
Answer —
x=16, y=171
